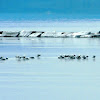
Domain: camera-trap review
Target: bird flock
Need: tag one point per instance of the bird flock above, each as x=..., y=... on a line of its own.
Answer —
x=2, y=58
x=19, y=58
x=24, y=58
x=75, y=57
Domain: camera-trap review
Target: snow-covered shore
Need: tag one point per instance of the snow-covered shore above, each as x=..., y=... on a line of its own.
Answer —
x=82, y=34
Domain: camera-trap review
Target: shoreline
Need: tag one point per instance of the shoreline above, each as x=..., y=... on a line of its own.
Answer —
x=54, y=34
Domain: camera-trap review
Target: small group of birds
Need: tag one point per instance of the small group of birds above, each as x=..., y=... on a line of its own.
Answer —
x=75, y=57
x=2, y=58
x=19, y=58
x=26, y=58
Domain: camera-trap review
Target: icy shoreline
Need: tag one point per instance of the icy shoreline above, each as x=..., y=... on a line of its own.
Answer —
x=82, y=34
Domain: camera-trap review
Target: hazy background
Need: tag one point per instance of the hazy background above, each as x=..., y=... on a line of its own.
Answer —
x=50, y=15
x=49, y=9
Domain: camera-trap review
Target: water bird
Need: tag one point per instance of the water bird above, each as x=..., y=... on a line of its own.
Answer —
x=66, y=56
x=87, y=56
x=32, y=57
x=84, y=57
x=78, y=57
x=71, y=56
x=16, y=56
x=6, y=58
x=38, y=55
x=23, y=57
x=74, y=55
x=3, y=59
x=26, y=58
x=94, y=57
x=61, y=57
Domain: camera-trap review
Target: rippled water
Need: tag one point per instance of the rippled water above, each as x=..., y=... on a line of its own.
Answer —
x=49, y=78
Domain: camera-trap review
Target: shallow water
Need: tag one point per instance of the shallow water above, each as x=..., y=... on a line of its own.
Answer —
x=49, y=78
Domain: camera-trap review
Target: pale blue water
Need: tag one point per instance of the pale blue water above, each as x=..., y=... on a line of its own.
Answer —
x=73, y=25
x=49, y=78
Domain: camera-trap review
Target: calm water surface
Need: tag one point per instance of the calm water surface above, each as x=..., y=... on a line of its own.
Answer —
x=49, y=78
